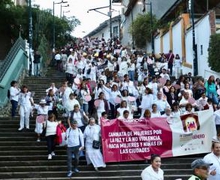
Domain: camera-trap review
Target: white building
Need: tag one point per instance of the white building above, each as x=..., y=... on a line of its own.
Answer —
x=103, y=30
x=20, y=2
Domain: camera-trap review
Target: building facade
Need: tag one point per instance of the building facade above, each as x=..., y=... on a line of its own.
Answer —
x=103, y=30
x=20, y=2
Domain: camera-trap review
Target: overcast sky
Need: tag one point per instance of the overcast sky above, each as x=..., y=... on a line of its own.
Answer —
x=79, y=8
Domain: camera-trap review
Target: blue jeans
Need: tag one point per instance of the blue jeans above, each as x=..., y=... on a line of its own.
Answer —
x=14, y=105
x=131, y=75
x=213, y=97
x=51, y=143
x=85, y=108
x=36, y=69
x=72, y=150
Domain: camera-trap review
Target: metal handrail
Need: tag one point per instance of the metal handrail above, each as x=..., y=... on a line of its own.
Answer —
x=19, y=44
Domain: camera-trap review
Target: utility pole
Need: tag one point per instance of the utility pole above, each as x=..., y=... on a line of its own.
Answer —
x=109, y=14
x=194, y=45
x=30, y=37
x=110, y=18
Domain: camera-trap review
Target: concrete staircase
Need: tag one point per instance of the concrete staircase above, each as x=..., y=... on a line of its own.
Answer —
x=21, y=157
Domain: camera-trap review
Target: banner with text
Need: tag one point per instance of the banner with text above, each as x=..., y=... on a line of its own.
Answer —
x=138, y=139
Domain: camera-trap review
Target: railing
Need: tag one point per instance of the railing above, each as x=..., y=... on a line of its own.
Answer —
x=12, y=67
x=19, y=44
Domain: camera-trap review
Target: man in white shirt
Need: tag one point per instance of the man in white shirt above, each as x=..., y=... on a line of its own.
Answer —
x=161, y=103
x=58, y=61
x=14, y=94
x=70, y=103
x=214, y=158
x=128, y=85
x=75, y=143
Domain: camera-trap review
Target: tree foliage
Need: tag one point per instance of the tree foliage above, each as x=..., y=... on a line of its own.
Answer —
x=43, y=49
x=214, y=52
x=141, y=29
x=14, y=20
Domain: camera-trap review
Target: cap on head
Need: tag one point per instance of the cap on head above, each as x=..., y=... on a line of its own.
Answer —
x=199, y=163
x=42, y=101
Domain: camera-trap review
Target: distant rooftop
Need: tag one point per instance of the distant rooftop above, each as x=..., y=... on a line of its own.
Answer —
x=103, y=25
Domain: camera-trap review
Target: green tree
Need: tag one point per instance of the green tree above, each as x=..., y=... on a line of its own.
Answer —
x=43, y=49
x=214, y=52
x=14, y=20
x=141, y=29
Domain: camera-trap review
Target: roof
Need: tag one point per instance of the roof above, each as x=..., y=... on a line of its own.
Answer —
x=103, y=25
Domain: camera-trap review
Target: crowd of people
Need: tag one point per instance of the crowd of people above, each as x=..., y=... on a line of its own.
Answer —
x=105, y=80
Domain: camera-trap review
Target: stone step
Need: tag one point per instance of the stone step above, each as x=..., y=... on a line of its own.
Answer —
x=84, y=174
x=84, y=168
x=170, y=177
x=53, y=163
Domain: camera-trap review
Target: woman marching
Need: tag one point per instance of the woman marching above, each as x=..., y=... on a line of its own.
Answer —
x=51, y=127
x=94, y=156
x=42, y=112
x=153, y=172
x=24, y=102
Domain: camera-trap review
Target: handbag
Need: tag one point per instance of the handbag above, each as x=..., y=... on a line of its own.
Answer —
x=44, y=130
x=96, y=144
x=43, y=134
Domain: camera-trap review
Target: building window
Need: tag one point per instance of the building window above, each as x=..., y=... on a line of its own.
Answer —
x=115, y=31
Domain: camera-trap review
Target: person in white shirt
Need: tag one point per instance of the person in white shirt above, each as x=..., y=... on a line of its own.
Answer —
x=53, y=87
x=114, y=93
x=139, y=60
x=85, y=93
x=164, y=74
x=71, y=102
x=168, y=115
x=153, y=85
x=103, y=77
x=24, y=102
x=125, y=116
x=155, y=112
x=127, y=84
x=65, y=91
x=101, y=106
x=131, y=70
x=14, y=94
x=214, y=159
x=51, y=127
x=202, y=102
x=78, y=115
x=184, y=101
x=122, y=108
x=161, y=103
x=42, y=110
x=93, y=72
x=80, y=64
x=153, y=172
x=175, y=110
x=177, y=66
x=147, y=100
x=123, y=68
x=187, y=89
x=58, y=61
x=94, y=156
x=70, y=71
x=75, y=143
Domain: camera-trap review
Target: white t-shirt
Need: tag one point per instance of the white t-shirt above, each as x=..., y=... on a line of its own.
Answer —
x=149, y=174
